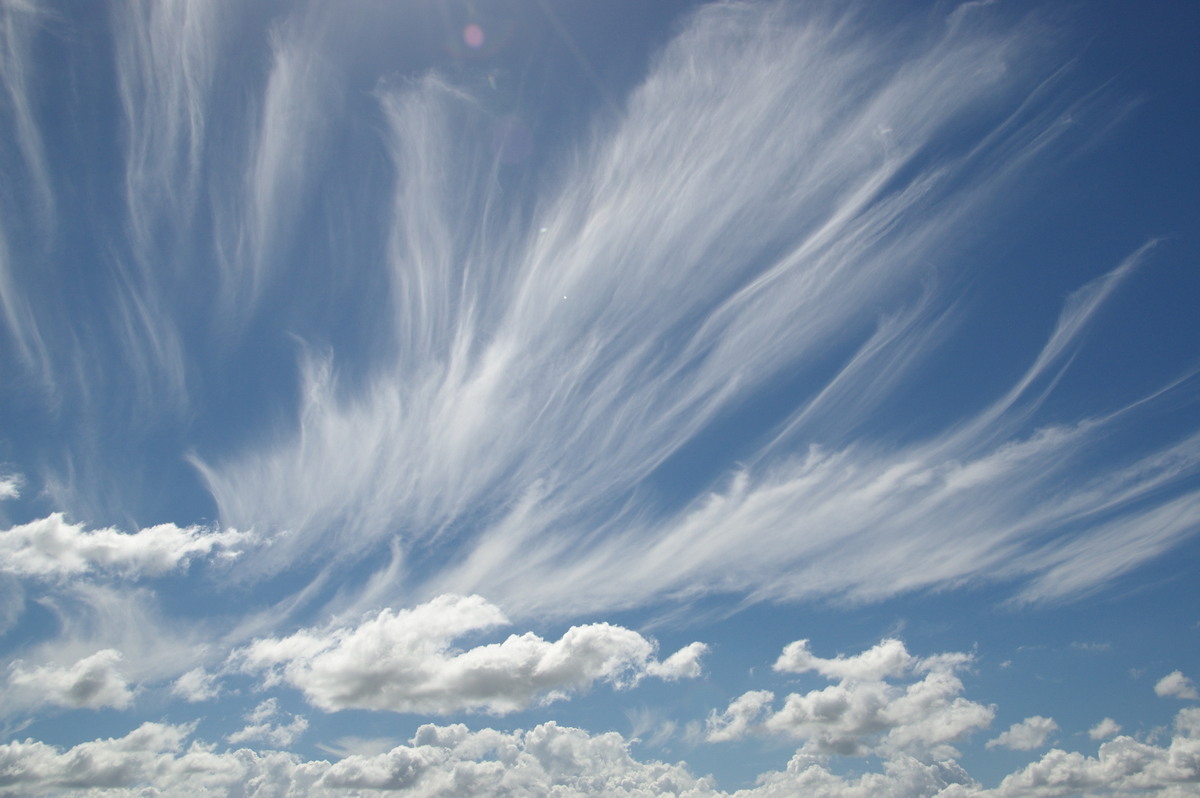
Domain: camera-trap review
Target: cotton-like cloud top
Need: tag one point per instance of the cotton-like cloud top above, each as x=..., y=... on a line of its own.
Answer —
x=445, y=761
x=864, y=713
x=1176, y=685
x=52, y=547
x=91, y=683
x=1104, y=729
x=403, y=661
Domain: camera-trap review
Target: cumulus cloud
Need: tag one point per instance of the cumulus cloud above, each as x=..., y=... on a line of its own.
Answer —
x=52, y=547
x=864, y=713
x=403, y=661
x=445, y=761
x=153, y=756
x=1123, y=766
x=196, y=685
x=1027, y=735
x=262, y=725
x=1104, y=729
x=888, y=658
x=1176, y=685
x=91, y=683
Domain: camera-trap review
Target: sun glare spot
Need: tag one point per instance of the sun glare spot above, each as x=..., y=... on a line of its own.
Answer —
x=473, y=36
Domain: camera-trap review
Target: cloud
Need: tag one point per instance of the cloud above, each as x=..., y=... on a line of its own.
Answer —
x=1027, y=735
x=403, y=661
x=196, y=685
x=798, y=182
x=1176, y=685
x=1104, y=729
x=51, y=547
x=260, y=727
x=863, y=713
x=151, y=755
x=93, y=682
x=10, y=486
x=1123, y=765
x=444, y=761
x=887, y=659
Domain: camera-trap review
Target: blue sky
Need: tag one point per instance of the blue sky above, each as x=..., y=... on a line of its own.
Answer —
x=533, y=397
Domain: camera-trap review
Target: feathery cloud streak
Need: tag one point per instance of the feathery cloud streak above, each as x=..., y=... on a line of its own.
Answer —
x=789, y=195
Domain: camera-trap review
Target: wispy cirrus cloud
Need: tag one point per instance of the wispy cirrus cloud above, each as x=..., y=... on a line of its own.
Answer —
x=749, y=214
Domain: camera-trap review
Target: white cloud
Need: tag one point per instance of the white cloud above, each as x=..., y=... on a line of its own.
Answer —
x=1176, y=685
x=1027, y=735
x=1104, y=729
x=196, y=685
x=91, y=683
x=863, y=713
x=52, y=547
x=1123, y=766
x=152, y=755
x=754, y=117
x=445, y=761
x=261, y=727
x=887, y=659
x=403, y=661
x=10, y=486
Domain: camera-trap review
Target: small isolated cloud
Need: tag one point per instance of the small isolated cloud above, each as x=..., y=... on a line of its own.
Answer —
x=1027, y=735
x=865, y=712
x=10, y=486
x=91, y=683
x=403, y=661
x=1176, y=685
x=1095, y=647
x=196, y=685
x=1104, y=729
x=52, y=547
x=260, y=726
x=888, y=658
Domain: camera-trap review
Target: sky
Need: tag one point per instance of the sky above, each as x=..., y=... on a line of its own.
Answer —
x=558, y=397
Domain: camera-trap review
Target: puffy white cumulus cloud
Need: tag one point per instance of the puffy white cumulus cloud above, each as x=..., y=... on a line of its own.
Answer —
x=902, y=777
x=1104, y=729
x=1027, y=735
x=403, y=661
x=53, y=547
x=151, y=760
x=863, y=713
x=1123, y=766
x=546, y=760
x=91, y=683
x=261, y=727
x=888, y=658
x=1176, y=685
x=442, y=761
